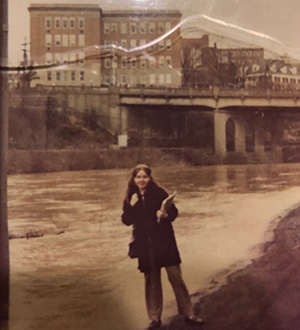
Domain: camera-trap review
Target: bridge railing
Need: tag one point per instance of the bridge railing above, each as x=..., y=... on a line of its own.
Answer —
x=214, y=92
x=169, y=92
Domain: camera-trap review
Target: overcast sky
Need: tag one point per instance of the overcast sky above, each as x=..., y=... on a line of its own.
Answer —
x=279, y=19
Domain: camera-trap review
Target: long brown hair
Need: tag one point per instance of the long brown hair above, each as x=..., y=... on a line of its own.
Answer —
x=131, y=184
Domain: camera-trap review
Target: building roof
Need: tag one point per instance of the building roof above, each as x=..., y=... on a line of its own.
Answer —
x=141, y=13
x=272, y=67
x=62, y=7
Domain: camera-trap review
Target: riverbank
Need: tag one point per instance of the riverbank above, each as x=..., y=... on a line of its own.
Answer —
x=62, y=160
x=263, y=296
x=81, y=159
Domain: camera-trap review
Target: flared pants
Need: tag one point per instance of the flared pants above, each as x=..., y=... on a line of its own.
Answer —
x=154, y=296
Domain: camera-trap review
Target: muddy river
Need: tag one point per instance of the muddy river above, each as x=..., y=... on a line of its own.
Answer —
x=76, y=273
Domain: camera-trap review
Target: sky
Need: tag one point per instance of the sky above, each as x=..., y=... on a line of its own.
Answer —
x=273, y=24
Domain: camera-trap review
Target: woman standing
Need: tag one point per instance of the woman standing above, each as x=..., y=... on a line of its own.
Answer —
x=155, y=244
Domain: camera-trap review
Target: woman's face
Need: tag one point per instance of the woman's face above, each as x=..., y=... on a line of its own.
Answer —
x=141, y=180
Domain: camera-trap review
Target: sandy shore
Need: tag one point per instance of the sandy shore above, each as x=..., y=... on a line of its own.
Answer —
x=263, y=296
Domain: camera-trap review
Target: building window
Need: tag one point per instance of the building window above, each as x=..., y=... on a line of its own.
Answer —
x=81, y=75
x=72, y=22
x=152, y=47
x=48, y=58
x=133, y=62
x=133, y=28
x=124, y=62
x=132, y=43
x=162, y=45
x=81, y=40
x=142, y=42
x=65, y=23
x=48, y=40
x=49, y=75
x=113, y=27
x=161, y=61
x=168, y=78
x=57, y=40
x=73, y=75
x=57, y=22
x=124, y=43
x=169, y=61
x=124, y=80
x=107, y=63
x=161, y=27
x=81, y=57
x=143, y=79
x=81, y=23
x=72, y=58
x=106, y=28
x=161, y=78
x=152, y=62
x=168, y=26
x=48, y=22
x=124, y=28
x=168, y=44
x=151, y=27
x=57, y=58
x=65, y=58
x=152, y=79
x=143, y=63
x=142, y=28
x=58, y=75
x=65, y=40
x=72, y=40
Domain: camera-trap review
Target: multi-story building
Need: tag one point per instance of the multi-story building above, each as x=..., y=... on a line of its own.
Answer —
x=150, y=49
x=273, y=74
x=65, y=35
x=134, y=48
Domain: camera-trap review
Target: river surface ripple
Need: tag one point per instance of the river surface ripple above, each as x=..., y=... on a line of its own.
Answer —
x=78, y=276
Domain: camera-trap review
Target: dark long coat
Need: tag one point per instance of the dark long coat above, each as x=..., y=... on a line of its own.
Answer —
x=155, y=240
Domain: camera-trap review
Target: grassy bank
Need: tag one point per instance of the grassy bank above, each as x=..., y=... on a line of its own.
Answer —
x=37, y=161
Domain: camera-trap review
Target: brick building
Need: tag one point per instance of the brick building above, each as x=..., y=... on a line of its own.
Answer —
x=86, y=42
x=151, y=60
x=65, y=34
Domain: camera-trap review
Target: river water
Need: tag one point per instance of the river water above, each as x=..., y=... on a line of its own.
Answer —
x=77, y=274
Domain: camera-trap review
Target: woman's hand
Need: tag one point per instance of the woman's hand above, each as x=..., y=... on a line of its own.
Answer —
x=134, y=199
x=161, y=214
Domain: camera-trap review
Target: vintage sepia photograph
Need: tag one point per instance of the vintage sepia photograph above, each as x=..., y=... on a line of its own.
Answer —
x=150, y=165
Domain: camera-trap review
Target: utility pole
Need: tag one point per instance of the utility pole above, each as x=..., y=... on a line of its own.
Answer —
x=4, y=248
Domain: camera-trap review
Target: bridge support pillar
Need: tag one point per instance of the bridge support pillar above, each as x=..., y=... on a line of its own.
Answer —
x=220, y=119
x=240, y=142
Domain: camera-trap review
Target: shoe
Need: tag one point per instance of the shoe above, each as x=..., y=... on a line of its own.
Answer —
x=155, y=324
x=193, y=320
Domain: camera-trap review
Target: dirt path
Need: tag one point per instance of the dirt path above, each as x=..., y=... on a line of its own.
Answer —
x=263, y=296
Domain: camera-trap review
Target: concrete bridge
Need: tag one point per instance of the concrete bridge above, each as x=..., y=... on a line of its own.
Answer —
x=214, y=99
x=244, y=124
x=248, y=123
